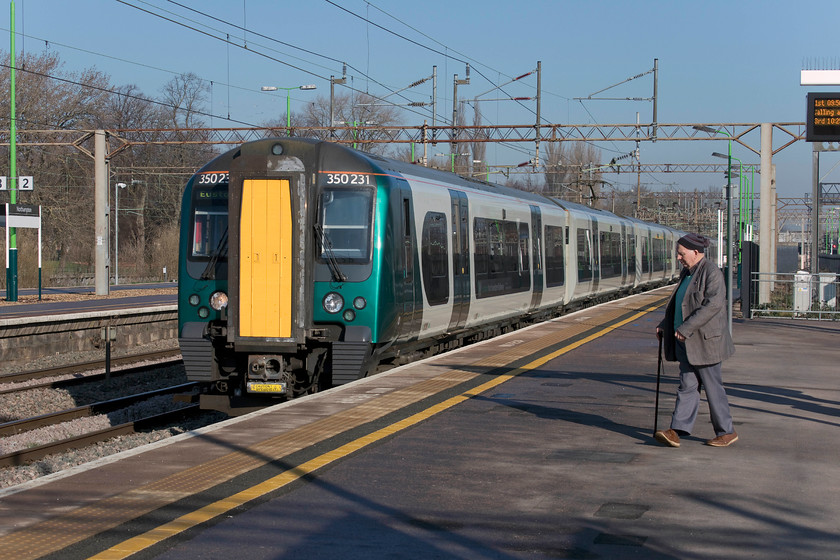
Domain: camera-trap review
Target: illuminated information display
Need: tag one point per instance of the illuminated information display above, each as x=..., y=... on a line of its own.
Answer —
x=823, y=122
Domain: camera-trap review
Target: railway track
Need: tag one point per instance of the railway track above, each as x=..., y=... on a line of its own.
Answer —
x=104, y=407
x=149, y=407
x=73, y=369
x=18, y=458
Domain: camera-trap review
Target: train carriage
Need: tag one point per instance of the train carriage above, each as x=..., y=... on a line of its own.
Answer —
x=305, y=264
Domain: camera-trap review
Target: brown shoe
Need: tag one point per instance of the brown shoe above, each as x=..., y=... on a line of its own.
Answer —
x=724, y=440
x=667, y=437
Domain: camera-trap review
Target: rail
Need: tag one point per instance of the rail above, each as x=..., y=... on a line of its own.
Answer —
x=25, y=456
x=14, y=382
x=103, y=407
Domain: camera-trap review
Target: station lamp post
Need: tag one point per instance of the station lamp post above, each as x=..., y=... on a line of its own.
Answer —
x=729, y=236
x=117, y=188
x=740, y=177
x=288, y=91
x=452, y=157
x=745, y=199
x=478, y=162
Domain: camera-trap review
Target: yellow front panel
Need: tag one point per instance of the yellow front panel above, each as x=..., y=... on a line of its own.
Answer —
x=265, y=269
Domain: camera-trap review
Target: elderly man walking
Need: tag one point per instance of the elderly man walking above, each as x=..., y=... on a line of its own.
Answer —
x=695, y=334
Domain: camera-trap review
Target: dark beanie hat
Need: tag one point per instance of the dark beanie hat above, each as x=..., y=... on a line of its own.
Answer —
x=694, y=241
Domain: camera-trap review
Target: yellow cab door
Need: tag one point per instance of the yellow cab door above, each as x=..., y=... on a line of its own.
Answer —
x=265, y=267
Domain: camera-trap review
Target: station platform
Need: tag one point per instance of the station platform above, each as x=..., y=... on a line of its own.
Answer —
x=537, y=444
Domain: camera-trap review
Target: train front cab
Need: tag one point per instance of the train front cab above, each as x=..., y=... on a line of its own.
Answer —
x=316, y=324
x=260, y=338
x=299, y=276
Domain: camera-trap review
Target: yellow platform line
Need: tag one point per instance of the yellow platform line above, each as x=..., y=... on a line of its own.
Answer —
x=220, y=507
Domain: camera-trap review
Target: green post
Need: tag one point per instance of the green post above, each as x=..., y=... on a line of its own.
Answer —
x=288, y=101
x=741, y=202
x=752, y=194
x=288, y=111
x=11, y=266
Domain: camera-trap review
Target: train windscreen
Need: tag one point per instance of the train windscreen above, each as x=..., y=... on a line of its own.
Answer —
x=346, y=217
x=209, y=227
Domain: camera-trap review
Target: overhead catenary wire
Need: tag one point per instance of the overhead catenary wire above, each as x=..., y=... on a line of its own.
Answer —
x=251, y=49
x=194, y=27
x=248, y=34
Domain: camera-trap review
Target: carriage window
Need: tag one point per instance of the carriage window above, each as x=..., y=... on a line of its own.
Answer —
x=434, y=255
x=610, y=254
x=501, y=260
x=208, y=229
x=658, y=254
x=346, y=216
x=555, y=274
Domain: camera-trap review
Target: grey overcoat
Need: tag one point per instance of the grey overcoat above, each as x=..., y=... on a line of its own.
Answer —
x=705, y=325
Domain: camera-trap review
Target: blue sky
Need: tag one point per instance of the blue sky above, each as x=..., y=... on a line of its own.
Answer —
x=719, y=61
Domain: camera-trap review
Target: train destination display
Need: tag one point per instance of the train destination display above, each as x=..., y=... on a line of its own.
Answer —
x=823, y=121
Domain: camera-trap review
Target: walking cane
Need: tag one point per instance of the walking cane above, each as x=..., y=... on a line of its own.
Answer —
x=658, y=376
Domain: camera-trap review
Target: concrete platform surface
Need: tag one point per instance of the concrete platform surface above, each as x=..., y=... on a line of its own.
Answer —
x=560, y=463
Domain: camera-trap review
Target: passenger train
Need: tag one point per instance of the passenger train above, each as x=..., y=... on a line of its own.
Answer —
x=306, y=264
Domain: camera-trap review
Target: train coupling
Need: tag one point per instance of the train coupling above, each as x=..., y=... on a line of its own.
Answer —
x=266, y=375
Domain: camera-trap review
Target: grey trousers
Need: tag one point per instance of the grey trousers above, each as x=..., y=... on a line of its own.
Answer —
x=688, y=396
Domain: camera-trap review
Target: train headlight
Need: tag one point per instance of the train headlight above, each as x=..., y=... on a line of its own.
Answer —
x=333, y=302
x=359, y=303
x=194, y=300
x=218, y=300
x=203, y=312
x=349, y=315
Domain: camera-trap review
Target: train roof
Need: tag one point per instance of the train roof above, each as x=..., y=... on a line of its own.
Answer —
x=407, y=168
x=334, y=151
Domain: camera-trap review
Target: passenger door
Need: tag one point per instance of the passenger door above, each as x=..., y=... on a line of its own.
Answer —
x=536, y=256
x=405, y=283
x=460, y=260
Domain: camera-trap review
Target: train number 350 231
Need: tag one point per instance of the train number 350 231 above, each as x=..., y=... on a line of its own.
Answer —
x=348, y=179
x=213, y=178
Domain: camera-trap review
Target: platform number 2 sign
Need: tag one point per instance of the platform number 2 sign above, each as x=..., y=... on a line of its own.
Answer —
x=25, y=183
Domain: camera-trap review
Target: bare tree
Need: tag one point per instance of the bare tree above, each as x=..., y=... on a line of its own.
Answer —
x=459, y=157
x=571, y=172
x=479, y=148
x=48, y=96
x=128, y=108
x=186, y=97
x=153, y=198
x=525, y=182
x=359, y=116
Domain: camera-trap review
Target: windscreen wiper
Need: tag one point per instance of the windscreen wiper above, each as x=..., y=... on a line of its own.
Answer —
x=338, y=276
x=221, y=250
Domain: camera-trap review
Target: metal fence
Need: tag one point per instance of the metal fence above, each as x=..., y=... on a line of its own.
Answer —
x=798, y=296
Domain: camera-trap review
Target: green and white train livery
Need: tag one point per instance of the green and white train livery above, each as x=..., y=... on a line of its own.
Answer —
x=306, y=264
